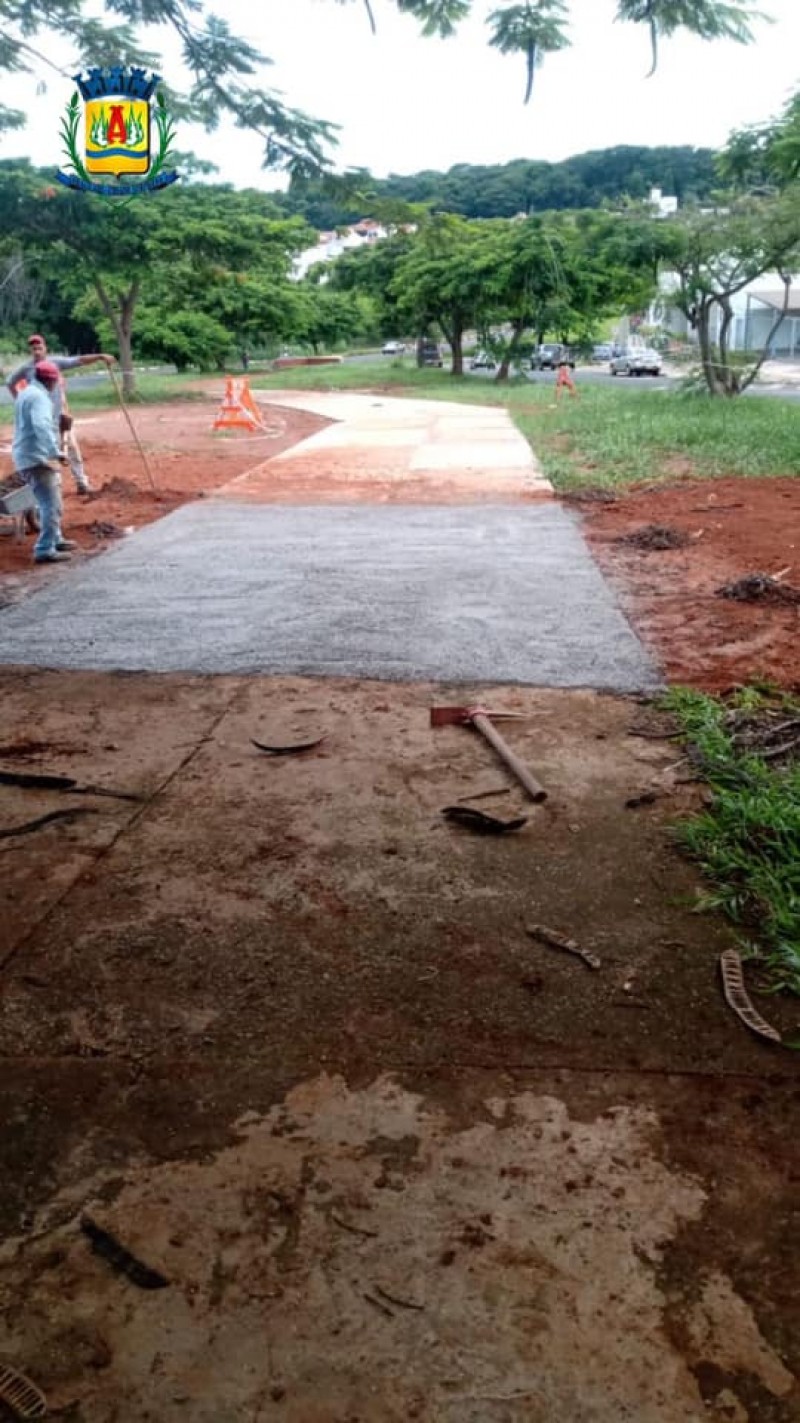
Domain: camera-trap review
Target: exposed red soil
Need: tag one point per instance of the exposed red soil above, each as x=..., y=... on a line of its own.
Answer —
x=187, y=457
x=737, y=527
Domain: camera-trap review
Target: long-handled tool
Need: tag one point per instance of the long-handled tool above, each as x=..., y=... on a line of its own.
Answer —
x=479, y=718
x=126, y=413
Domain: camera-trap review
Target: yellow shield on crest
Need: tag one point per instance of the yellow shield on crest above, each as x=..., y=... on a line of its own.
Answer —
x=117, y=134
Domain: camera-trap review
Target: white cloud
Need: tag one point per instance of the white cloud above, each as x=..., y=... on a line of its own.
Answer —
x=405, y=103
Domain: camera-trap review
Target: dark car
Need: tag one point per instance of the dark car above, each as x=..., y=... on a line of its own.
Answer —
x=550, y=355
x=428, y=353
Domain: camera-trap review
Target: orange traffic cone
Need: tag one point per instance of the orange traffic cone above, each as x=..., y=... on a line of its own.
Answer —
x=238, y=410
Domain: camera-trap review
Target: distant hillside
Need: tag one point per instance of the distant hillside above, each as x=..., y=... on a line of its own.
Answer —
x=526, y=185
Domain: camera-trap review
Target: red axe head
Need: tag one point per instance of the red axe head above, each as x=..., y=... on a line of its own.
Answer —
x=460, y=716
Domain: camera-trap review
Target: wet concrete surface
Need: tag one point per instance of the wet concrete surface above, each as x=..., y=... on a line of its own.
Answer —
x=507, y=593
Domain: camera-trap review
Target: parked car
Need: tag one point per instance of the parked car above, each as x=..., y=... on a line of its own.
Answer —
x=551, y=354
x=604, y=352
x=482, y=361
x=636, y=361
x=428, y=353
x=393, y=348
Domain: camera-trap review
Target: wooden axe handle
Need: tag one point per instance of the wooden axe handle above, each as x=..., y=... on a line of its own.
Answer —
x=527, y=779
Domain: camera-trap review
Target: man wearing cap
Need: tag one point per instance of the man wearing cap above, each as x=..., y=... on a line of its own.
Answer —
x=34, y=446
x=63, y=420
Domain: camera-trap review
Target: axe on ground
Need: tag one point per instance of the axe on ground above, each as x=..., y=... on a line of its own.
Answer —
x=479, y=718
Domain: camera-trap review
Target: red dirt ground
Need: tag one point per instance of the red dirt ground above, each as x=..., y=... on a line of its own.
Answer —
x=737, y=527
x=187, y=457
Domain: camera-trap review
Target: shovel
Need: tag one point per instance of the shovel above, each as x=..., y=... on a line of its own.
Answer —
x=479, y=718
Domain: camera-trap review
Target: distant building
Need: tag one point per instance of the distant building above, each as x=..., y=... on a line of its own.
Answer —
x=331, y=245
x=664, y=206
x=755, y=309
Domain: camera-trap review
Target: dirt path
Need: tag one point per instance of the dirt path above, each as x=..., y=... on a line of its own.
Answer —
x=280, y=1029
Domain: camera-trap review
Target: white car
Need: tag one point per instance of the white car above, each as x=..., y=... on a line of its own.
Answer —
x=636, y=361
x=393, y=348
x=482, y=361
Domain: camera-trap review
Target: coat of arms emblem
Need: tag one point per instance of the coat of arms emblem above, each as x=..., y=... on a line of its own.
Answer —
x=122, y=116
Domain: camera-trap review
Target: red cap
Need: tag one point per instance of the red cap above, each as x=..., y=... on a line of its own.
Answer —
x=47, y=370
x=36, y=337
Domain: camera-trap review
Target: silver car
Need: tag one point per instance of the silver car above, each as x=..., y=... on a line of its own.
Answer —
x=636, y=361
x=482, y=361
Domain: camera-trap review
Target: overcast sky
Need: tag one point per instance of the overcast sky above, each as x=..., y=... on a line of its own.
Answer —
x=405, y=103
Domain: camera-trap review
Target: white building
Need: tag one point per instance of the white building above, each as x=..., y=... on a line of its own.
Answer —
x=664, y=206
x=331, y=245
x=755, y=309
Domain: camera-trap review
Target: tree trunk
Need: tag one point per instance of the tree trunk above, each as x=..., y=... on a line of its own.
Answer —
x=124, y=338
x=510, y=352
x=728, y=378
x=120, y=314
x=707, y=360
x=456, y=339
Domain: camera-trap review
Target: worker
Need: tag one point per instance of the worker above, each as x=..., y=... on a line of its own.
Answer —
x=63, y=419
x=564, y=379
x=34, y=446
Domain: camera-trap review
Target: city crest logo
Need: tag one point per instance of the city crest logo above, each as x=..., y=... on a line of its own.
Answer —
x=122, y=116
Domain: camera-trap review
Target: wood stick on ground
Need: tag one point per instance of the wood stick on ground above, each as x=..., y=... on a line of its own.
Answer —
x=554, y=940
x=132, y=428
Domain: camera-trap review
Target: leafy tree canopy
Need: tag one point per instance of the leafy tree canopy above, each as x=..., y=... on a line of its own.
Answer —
x=765, y=155
x=587, y=180
x=226, y=71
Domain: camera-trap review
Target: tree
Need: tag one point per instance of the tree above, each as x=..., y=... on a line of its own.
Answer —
x=225, y=69
x=562, y=272
x=442, y=278
x=716, y=253
x=330, y=318
x=370, y=271
x=111, y=260
x=765, y=155
x=182, y=338
x=751, y=230
x=586, y=180
x=534, y=28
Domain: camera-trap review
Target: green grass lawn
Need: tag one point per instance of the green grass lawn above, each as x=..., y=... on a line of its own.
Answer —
x=607, y=436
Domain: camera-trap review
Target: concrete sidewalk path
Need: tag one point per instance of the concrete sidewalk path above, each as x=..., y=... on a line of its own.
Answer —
x=386, y=449
x=504, y=591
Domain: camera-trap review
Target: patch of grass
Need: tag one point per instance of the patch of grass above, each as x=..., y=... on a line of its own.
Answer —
x=400, y=375
x=747, y=841
x=150, y=389
x=609, y=436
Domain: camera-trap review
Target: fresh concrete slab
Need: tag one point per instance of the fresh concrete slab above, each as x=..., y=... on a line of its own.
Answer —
x=509, y=594
x=473, y=454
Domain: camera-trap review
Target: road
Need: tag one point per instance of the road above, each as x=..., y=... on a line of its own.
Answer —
x=587, y=375
x=599, y=375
